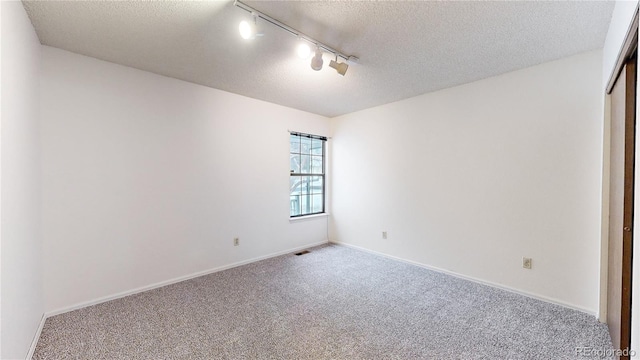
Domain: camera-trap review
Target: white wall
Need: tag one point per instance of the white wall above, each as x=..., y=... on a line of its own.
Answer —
x=22, y=299
x=620, y=21
x=147, y=178
x=472, y=178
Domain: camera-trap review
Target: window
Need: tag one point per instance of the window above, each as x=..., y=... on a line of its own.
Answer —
x=306, y=182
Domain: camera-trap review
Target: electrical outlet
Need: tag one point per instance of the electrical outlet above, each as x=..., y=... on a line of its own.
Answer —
x=384, y=234
x=526, y=263
x=236, y=241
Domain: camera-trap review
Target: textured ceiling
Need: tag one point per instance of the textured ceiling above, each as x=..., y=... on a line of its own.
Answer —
x=405, y=48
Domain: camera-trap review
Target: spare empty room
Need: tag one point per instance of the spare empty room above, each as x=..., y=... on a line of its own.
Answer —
x=460, y=174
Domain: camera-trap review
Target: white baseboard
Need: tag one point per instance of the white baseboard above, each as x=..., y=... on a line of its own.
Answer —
x=475, y=280
x=173, y=281
x=34, y=342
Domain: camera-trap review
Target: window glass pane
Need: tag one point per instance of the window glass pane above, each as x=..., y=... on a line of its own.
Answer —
x=295, y=205
x=294, y=141
x=295, y=163
x=294, y=185
x=305, y=204
x=316, y=185
x=316, y=202
x=316, y=165
x=316, y=147
x=305, y=164
x=305, y=185
x=305, y=145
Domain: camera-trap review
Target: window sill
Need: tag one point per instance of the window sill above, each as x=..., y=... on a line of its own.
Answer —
x=308, y=217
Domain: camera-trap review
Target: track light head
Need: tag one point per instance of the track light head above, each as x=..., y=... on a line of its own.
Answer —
x=341, y=68
x=248, y=28
x=303, y=51
x=316, y=61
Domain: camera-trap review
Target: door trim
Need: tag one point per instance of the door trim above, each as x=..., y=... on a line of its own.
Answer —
x=629, y=46
x=629, y=190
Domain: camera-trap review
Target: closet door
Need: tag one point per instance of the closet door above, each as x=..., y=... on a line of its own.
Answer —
x=622, y=163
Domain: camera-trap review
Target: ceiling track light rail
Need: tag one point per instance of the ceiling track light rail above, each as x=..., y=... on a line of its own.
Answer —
x=316, y=44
